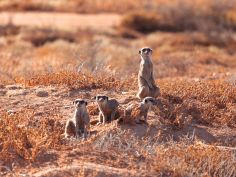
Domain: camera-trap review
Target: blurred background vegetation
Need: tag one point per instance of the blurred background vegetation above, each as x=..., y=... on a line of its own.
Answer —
x=189, y=38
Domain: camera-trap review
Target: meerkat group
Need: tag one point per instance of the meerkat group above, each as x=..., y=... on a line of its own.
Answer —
x=108, y=108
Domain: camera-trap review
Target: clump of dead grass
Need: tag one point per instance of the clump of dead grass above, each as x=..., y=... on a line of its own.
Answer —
x=141, y=22
x=180, y=159
x=209, y=102
x=21, y=139
x=75, y=80
x=41, y=36
x=182, y=15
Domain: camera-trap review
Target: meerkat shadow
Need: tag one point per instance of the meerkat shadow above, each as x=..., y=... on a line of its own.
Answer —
x=93, y=132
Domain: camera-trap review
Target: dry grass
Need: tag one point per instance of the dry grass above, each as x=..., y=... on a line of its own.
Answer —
x=23, y=137
x=194, y=160
x=195, y=71
x=208, y=102
x=142, y=22
x=183, y=16
x=75, y=80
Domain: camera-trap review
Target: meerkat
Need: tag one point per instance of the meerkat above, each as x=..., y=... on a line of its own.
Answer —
x=80, y=123
x=146, y=82
x=136, y=111
x=108, y=108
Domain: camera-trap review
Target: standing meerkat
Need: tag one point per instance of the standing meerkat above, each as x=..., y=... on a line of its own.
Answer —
x=146, y=82
x=136, y=111
x=80, y=123
x=108, y=108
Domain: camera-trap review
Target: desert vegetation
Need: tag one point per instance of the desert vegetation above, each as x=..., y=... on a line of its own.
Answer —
x=191, y=132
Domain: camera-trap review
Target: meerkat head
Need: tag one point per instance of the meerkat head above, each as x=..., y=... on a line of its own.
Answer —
x=80, y=103
x=149, y=101
x=101, y=99
x=145, y=52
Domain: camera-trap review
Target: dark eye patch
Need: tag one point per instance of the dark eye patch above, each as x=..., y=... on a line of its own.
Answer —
x=81, y=102
x=105, y=97
x=98, y=97
x=147, y=49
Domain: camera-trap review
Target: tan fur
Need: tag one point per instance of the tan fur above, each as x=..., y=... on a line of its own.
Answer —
x=80, y=123
x=108, y=108
x=146, y=82
x=136, y=111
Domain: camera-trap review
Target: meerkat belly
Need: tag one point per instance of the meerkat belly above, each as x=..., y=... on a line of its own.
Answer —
x=142, y=82
x=108, y=112
x=80, y=120
x=81, y=124
x=145, y=72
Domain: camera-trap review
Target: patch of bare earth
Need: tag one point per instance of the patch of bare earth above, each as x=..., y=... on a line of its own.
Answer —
x=111, y=150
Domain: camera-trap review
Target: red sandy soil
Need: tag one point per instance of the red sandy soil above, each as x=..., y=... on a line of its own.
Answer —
x=69, y=162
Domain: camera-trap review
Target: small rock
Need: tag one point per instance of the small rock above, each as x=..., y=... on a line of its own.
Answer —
x=15, y=102
x=41, y=93
x=17, y=93
x=38, y=114
x=2, y=86
x=3, y=92
x=53, y=90
x=11, y=112
x=13, y=87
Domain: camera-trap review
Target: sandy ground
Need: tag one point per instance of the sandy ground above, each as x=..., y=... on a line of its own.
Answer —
x=14, y=98
x=65, y=21
x=62, y=163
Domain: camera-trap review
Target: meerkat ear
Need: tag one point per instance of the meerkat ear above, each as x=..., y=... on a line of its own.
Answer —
x=107, y=97
x=86, y=103
x=73, y=102
x=139, y=51
x=95, y=97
